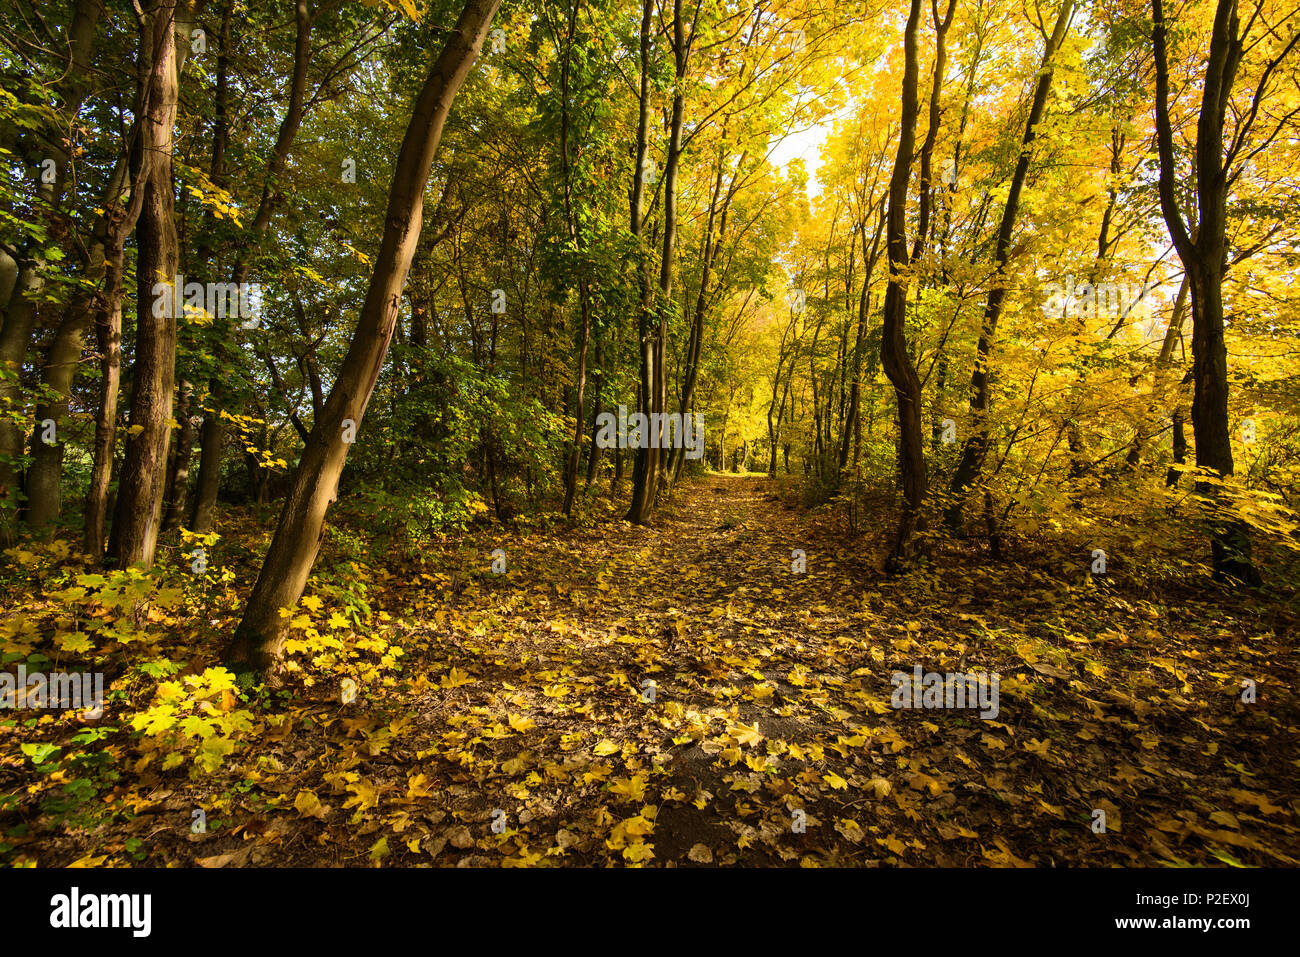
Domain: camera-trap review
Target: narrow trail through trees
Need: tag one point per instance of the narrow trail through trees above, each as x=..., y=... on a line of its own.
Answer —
x=522, y=726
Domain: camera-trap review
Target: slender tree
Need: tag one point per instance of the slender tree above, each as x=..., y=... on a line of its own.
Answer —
x=976, y=445
x=1204, y=253
x=259, y=638
x=138, y=516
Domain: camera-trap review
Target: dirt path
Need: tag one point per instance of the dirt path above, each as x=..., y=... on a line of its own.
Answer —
x=522, y=727
x=772, y=695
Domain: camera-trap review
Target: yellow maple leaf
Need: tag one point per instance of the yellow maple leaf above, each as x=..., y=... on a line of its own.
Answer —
x=455, y=678
x=631, y=789
x=638, y=852
x=745, y=734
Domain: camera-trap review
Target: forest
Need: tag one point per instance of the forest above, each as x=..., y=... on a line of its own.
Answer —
x=669, y=433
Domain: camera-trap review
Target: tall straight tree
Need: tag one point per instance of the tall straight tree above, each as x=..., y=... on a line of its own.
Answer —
x=64, y=352
x=212, y=436
x=259, y=638
x=648, y=474
x=642, y=491
x=144, y=466
x=577, y=241
x=1204, y=251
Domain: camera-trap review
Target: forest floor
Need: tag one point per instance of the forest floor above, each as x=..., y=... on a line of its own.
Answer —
x=521, y=728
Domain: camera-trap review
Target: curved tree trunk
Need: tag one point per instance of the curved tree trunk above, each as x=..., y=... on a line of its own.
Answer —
x=894, y=357
x=258, y=640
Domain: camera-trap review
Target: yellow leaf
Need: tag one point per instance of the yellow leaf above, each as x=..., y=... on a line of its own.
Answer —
x=521, y=723
x=364, y=795
x=455, y=678
x=75, y=643
x=1035, y=746
x=893, y=844
x=416, y=786
x=631, y=789
x=745, y=734
x=308, y=804
x=1258, y=800
x=638, y=852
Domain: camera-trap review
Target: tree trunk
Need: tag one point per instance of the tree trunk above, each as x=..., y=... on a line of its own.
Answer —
x=213, y=433
x=579, y=413
x=140, y=491
x=712, y=247
x=894, y=357
x=1204, y=258
x=1159, y=376
x=178, y=468
x=64, y=353
x=650, y=462
x=15, y=335
x=63, y=357
x=259, y=638
x=108, y=336
x=598, y=386
x=976, y=446
x=854, y=412
x=584, y=290
x=45, y=473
